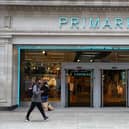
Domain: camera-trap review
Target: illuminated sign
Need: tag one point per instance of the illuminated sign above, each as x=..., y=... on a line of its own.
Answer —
x=93, y=23
x=81, y=73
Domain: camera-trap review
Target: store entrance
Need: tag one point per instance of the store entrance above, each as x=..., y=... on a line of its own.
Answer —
x=50, y=62
x=79, y=87
x=114, y=88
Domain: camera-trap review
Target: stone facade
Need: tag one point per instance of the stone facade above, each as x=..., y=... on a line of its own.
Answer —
x=37, y=22
x=67, y=2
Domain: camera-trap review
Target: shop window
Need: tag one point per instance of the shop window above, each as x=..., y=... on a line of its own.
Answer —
x=31, y=69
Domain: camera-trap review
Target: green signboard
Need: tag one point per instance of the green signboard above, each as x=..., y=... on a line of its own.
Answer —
x=80, y=73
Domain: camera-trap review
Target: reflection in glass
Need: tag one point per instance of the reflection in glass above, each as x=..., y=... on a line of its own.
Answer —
x=79, y=87
x=48, y=71
x=114, y=87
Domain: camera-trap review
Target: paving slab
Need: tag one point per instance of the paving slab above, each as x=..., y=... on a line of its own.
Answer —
x=67, y=118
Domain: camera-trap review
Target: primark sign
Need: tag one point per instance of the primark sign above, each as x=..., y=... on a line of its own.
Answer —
x=87, y=23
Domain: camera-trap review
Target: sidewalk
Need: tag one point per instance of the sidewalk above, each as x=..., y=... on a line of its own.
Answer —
x=67, y=118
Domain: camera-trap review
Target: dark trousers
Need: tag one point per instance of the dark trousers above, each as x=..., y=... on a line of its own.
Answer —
x=39, y=106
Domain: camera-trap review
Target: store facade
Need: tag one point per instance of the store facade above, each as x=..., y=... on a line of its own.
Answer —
x=86, y=61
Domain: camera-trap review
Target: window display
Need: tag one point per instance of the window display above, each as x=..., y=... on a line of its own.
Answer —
x=49, y=71
x=114, y=87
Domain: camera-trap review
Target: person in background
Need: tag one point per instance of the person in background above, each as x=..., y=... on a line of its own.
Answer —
x=44, y=94
x=36, y=101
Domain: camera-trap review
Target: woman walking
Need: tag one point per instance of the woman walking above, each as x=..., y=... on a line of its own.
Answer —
x=36, y=101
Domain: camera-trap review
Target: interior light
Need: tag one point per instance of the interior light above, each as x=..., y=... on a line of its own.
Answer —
x=44, y=52
x=78, y=60
x=57, y=68
x=91, y=60
x=48, y=68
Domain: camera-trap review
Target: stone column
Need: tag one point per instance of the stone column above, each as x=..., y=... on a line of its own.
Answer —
x=63, y=89
x=6, y=57
x=97, y=88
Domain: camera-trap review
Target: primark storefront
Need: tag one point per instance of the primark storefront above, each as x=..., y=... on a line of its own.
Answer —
x=80, y=48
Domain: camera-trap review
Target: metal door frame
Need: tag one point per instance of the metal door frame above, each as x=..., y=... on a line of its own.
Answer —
x=102, y=86
x=91, y=87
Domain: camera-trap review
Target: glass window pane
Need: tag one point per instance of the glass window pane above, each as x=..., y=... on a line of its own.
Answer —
x=114, y=87
x=37, y=67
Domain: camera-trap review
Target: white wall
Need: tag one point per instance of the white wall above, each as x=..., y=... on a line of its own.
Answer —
x=47, y=20
x=67, y=2
x=15, y=77
x=5, y=73
x=71, y=40
x=42, y=26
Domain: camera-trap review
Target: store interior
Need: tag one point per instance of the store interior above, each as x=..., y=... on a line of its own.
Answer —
x=47, y=65
x=114, y=87
x=79, y=87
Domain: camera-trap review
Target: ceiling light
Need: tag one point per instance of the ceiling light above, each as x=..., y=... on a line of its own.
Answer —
x=78, y=60
x=44, y=52
x=91, y=60
x=57, y=68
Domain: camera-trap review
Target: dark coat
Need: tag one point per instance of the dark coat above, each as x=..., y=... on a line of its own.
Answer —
x=45, y=89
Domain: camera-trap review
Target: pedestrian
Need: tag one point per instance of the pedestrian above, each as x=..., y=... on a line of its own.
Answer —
x=36, y=101
x=44, y=94
x=44, y=97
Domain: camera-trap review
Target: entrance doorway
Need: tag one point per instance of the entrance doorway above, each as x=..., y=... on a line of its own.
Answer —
x=50, y=62
x=79, y=87
x=114, y=87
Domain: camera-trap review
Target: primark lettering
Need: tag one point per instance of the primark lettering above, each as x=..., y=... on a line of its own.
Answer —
x=93, y=23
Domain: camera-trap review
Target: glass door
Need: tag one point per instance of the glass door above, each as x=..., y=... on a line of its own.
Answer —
x=114, y=87
x=79, y=87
